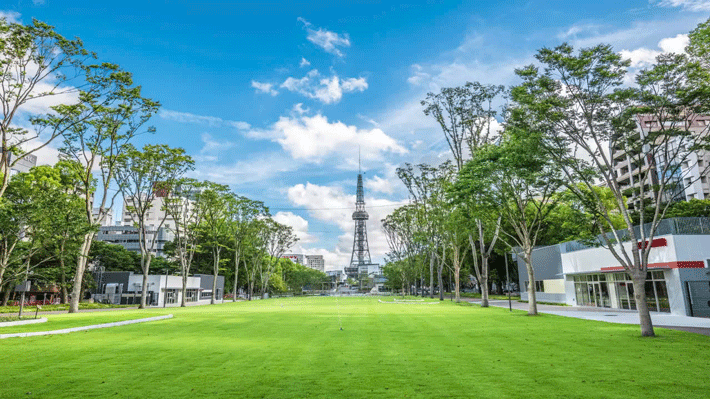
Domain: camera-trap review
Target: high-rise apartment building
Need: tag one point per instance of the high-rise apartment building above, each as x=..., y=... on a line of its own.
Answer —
x=315, y=262
x=645, y=164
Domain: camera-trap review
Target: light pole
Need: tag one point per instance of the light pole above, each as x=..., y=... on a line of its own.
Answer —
x=165, y=300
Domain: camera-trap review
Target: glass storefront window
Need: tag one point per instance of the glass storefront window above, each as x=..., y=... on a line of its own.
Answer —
x=664, y=305
x=592, y=290
x=656, y=291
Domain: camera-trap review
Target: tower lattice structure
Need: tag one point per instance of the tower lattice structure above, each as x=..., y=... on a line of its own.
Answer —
x=361, y=250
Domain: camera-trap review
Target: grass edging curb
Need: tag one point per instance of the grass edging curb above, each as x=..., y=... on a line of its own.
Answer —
x=92, y=327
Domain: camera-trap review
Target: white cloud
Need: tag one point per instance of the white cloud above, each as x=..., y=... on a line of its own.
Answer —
x=299, y=225
x=418, y=76
x=675, y=44
x=299, y=110
x=314, y=139
x=38, y=2
x=211, y=148
x=577, y=29
x=328, y=90
x=329, y=41
x=264, y=87
x=640, y=57
x=212, y=121
x=379, y=185
x=643, y=57
x=689, y=5
x=304, y=63
x=42, y=104
x=352, y=84
x=258, y=168
x=10, y=16
x=389, y=183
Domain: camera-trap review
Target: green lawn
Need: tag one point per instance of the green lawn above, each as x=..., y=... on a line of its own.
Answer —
x=294, y=348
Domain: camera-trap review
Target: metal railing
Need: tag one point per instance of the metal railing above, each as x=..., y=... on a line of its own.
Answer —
x=674, y=226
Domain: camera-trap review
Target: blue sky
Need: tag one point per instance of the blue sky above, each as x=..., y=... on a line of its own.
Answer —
x=274, y=99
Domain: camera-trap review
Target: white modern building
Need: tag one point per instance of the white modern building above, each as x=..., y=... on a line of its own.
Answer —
x=126, y=287
x=678, y=279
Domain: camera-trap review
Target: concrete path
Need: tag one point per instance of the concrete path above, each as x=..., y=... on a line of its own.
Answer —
x=83, y=328
x=666, y=320
x=170, y=305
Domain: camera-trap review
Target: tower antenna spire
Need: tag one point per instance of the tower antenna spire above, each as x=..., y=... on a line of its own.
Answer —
x=359, y=164
x=360, y=258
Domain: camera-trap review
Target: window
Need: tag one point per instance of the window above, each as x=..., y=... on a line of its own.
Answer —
x=656, y=291
x=539, y=286
x=592, y=290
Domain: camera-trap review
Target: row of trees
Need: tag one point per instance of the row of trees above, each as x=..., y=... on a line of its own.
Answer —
x=548, y=175
x=50, y=216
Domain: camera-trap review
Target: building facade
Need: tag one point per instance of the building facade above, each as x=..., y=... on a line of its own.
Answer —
x=691, y=179
x=128, y=237
x=315, y=262
x=125, y=288
x=678, y=279
x=295, y=258
x=23, y=165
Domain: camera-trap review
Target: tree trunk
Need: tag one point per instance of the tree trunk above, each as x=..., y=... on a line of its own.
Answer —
x=404, y=283
x=79, y=274
x=532, y=301
x=639, y=279
x=144, y=290
x=183, y=300
x=215, y=269
x=484, y=282
x=457, y=272
x=65, y=292
x=236, y=276
x=439, y=270
x=431, y=276
x=6, y=296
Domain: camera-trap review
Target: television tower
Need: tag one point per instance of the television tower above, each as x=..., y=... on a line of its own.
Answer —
x=361, y=250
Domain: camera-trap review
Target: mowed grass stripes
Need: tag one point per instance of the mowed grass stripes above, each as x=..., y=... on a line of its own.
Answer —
x=294, y=348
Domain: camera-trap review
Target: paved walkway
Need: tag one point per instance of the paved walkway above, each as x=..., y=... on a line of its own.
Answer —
x=698, y=325
x=84, y=328
x=30, y=310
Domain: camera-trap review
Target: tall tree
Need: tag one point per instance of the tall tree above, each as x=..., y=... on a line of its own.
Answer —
x=243, y=212
x=466, y=115
x=214, y=200
x=145, y=179
x=519, y=181
x=279, y=239
x=180, y=205
x=426, y=188
x=578, y=101
x=97, y=132
x=36, y=63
